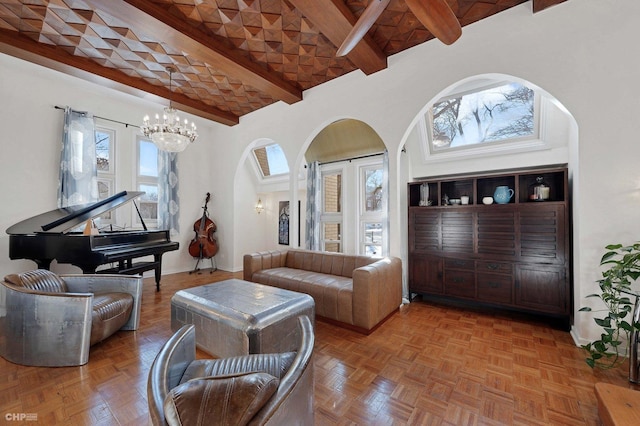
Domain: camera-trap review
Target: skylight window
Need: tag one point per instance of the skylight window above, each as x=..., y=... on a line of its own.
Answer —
x=271, y=160
x=505, y=112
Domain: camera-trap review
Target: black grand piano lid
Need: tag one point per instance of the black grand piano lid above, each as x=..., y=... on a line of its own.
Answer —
x=65, y=219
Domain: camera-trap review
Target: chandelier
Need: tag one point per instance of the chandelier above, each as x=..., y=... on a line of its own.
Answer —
x=169, y=134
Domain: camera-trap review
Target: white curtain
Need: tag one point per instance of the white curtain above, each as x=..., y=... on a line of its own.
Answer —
x=385, y=203
x=78, y=180
x=312, y=228
x=168, y=201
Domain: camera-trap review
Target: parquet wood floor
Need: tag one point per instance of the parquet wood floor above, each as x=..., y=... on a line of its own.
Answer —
x=428, y=364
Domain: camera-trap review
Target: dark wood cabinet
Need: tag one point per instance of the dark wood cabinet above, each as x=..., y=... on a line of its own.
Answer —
x=513, y=255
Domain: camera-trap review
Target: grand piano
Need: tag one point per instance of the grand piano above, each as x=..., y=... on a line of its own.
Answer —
x=51, y=235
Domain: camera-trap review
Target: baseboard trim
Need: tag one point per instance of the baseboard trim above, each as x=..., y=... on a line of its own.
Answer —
x=355, y=328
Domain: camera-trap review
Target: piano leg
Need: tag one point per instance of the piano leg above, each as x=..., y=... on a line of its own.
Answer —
x=43, y=263
x=158, y=269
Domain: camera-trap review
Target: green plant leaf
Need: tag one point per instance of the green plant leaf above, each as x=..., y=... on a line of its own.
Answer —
x=600, y=346
x=626, y=326
x=613, y=246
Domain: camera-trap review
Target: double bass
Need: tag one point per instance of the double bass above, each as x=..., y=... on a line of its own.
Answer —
x=204, y=245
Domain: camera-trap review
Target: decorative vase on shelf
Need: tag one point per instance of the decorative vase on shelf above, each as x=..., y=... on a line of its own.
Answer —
x=502, y=194
x=424, y=195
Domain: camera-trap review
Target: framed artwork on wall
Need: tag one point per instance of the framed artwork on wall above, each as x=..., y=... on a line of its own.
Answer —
x=283, y=223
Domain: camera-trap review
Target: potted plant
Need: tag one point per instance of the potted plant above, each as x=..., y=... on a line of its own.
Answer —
x=620, y=322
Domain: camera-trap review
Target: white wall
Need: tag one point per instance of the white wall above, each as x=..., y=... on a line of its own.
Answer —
x=582, y=52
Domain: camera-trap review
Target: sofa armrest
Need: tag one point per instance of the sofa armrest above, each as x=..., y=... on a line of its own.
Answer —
x=258, y=261
x=110, y=283
x=44, y=329
x=377, y=291
x=167, y=369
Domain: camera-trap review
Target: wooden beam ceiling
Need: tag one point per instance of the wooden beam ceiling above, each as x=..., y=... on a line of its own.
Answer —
x=539, y=5
x=153, y=20
x=334, y=20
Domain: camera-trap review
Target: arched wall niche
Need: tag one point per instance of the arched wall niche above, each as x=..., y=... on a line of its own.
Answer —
x=559, y=131
x=556, y=126
x=337, y=139
x=253, y=230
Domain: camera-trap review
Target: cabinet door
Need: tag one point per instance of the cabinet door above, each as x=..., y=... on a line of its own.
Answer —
x=458, y=231
x=496, y=231
x=542, y=233
x=425, y=274
x=542, y=288
x=424, y=230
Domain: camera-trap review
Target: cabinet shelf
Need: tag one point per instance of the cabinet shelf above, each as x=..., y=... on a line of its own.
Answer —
x=476, y=187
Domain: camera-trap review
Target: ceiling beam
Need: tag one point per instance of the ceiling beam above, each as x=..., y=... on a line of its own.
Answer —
x=539, y=5
x=56, y=58
x=334, y=20
x=154, y=21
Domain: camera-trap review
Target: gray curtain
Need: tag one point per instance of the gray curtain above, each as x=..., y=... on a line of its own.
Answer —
x=385, y=203
x=168, y=201
x=78, y=180
x=312, y=227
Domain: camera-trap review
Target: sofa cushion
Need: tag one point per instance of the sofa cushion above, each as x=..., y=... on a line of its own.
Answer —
x=224, y=400
x=38, y=280
x=110, y=311
x=332, y=294
x=326, y=263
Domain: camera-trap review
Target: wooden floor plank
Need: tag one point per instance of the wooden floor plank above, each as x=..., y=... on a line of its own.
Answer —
x=428, y=364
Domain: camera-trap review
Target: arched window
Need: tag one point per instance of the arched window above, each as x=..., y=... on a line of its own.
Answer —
x=483, y=116
x=487, y=115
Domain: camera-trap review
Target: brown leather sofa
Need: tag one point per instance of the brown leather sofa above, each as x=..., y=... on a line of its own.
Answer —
x=357, y=292
x=51, y=320
x=256, y=389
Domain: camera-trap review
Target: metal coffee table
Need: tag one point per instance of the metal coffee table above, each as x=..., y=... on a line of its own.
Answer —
x=237, y=317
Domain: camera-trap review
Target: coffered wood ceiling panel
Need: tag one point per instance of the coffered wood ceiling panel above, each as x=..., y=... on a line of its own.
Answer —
x=232, y=56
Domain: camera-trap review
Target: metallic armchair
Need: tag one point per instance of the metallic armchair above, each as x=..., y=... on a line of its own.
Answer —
x=256, y=389
x=51, y=320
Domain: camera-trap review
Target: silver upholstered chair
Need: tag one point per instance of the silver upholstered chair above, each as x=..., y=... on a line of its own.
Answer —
x=255, y=389
x=51, y=320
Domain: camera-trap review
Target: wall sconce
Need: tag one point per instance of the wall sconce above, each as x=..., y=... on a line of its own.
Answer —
x=259, y=206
